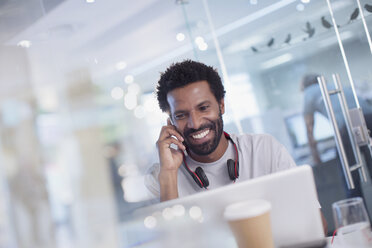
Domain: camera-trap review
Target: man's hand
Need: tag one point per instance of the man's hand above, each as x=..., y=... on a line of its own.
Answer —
x=170, y=160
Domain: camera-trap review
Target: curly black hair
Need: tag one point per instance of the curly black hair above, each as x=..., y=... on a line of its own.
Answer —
x=183, y=73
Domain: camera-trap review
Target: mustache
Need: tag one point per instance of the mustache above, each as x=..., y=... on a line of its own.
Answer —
x=189, y=131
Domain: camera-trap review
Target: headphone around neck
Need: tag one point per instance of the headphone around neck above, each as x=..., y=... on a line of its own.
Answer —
x=201, y=178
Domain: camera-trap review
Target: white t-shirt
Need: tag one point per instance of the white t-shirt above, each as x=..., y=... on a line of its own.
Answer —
x=259, y=155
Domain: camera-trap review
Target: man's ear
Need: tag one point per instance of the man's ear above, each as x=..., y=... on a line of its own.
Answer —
x=222, y=106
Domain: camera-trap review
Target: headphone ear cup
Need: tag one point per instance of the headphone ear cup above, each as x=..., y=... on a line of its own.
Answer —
x=201, y=174
x=231, y=169
x=197, y=180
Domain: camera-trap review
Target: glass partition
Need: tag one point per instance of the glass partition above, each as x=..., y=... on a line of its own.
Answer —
x=79, y=119
x=268, y=49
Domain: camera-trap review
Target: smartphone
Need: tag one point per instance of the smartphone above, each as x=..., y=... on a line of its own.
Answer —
x=173, y=145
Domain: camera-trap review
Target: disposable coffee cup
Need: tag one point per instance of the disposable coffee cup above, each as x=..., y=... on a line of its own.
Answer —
x=250, y=223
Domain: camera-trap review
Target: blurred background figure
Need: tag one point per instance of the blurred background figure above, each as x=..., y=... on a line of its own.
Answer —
x=27, y=186
x=31, y=208
x=313, y=102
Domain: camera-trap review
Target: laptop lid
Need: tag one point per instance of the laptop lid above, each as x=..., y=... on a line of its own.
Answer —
x=295, y=214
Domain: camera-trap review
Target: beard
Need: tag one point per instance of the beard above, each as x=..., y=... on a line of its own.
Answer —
x=208, y=147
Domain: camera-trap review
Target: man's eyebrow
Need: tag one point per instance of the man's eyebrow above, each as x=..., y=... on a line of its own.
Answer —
x=179, y=112
x=204, y=102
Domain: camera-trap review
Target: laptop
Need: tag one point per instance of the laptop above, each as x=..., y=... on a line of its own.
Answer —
x=295, y=214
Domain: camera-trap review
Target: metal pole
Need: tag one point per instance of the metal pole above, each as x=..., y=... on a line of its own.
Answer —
x=346, y=63
x=345, y=112
x=339, y=144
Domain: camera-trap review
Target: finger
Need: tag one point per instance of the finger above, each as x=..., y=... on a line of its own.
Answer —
x=169, y=122
x=177, y=151
x=176, y=142
x=170, y=131
x=167, y=143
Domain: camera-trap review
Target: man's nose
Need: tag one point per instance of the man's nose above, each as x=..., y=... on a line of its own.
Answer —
x=194, y=120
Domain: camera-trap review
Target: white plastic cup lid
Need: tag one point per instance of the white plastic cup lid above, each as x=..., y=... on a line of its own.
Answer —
x=246, y=209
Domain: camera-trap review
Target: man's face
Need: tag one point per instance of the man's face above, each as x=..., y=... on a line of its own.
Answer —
x=197, y=116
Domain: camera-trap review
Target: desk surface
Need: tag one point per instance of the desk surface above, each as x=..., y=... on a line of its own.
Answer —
x=203, y=235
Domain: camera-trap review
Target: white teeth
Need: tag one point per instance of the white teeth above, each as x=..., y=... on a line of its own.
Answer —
x=201, y=135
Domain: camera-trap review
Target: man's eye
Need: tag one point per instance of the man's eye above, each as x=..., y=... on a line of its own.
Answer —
x=203, y=108
x=179, y=116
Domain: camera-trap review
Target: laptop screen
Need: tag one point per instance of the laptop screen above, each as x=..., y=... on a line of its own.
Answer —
x=295, y=215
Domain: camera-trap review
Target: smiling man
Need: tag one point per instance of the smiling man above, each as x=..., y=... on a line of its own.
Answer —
x=194, y=151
